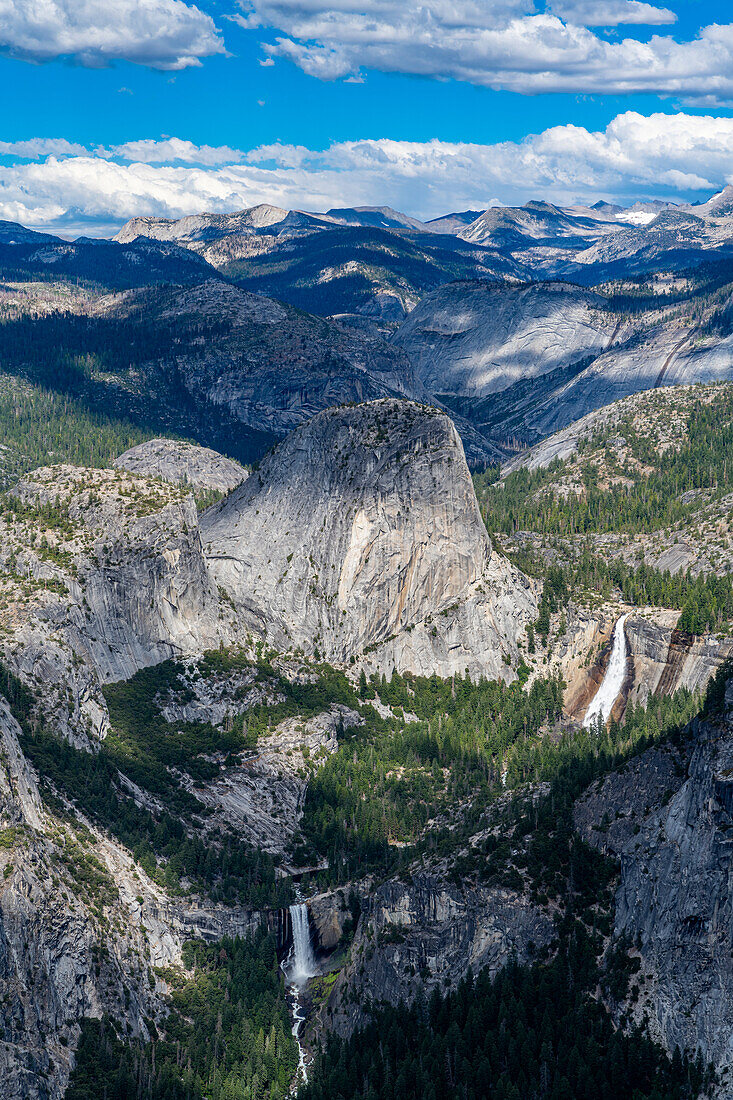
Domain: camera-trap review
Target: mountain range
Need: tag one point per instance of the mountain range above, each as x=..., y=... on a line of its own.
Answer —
x=322, y=539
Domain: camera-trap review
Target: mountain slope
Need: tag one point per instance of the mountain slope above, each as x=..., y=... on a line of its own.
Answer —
x=372, y=272
x=214, y=363
x=477, y=338
x=521, y=362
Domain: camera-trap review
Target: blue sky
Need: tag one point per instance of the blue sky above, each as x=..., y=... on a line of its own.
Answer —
x=404, y=72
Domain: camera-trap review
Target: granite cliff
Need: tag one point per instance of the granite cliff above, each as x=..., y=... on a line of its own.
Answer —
x=360, y=536
x=667, y=817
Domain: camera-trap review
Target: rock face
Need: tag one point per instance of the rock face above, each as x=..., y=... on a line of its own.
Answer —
x=666, y=659
x=360, y=535
x=477, y=338
x=68, y=950
x=670, y=814
x=667, y=355
x=661, y=659
x=183, y=463
x=412, y=938
x=103, y=573
x=140, y=591
x=521, y=362
x=539, y=223
x=362, y=527
x=262, y=798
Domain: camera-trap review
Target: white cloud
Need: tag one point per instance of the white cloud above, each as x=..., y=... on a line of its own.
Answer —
x=164, y=34
x=505, y=44
x=675, y=156
x=40, y=147
x=171, y=150
x=611, y=13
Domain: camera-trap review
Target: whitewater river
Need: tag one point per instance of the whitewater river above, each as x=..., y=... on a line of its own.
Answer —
x=602, y=702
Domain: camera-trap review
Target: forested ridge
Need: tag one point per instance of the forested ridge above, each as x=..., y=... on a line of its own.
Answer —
x=658, y=487
x=531, y=1031
x=705, y=599
x=118, y=380
x=650, y=493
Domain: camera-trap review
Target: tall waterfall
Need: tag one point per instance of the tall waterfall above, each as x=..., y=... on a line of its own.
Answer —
x=300, y=966
x=303, y=963
x=602, y=702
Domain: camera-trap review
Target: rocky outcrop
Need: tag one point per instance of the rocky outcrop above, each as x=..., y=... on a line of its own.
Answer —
x=183, y=464
x=412, y=938
x=668, y=816
x=261, y=798
x=582, y=657
x=666, y=659
x=140, y=573
x=661, y=659
x=103, y=574
x=329, y=917
x=360, y=529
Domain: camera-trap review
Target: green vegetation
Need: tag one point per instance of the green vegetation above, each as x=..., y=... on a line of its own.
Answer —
x=40, y=427
x=520, y=841
x=151, y=750
x=227, y=1036
x=527, y=500
x=540, y=1029
x=167, y=843
x=390, y=777
x=397, y=789
x=648, y=492
x=169, y=847
x=706, y=600
x=145, y=747
x=529, y=1031
x=118, y=378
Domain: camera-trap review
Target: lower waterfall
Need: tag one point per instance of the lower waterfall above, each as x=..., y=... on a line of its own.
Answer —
x=303, y=961
x=299, y=967
x=602, y=702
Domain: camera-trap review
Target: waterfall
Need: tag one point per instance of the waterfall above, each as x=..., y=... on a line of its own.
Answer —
x=602, y=702
x=301, y=965
x=303, y=962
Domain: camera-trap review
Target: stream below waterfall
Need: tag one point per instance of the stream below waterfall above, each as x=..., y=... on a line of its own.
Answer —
x=602, y=702
x=299, y=966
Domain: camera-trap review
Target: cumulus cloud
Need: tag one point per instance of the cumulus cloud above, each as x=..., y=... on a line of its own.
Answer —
x=164, y=34
x=611, y=13
x=170, y=150
x=675, y=156
x=507, y=44
x=40, y=147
